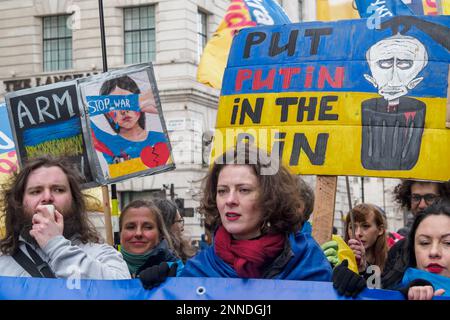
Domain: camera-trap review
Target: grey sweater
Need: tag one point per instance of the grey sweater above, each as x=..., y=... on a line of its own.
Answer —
x=71, y=258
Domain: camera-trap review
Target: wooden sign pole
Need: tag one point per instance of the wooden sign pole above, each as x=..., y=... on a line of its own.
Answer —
x=323, y=214
x=107, y=215
x=105, y=191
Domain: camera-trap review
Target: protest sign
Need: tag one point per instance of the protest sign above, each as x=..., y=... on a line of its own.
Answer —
x=340, y=98
x=8, y=158
x=110, y=125
x=127, y=136
x=47, y=120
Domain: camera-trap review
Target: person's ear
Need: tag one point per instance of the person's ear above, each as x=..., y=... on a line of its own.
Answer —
x=371, y=80
x=413, y=83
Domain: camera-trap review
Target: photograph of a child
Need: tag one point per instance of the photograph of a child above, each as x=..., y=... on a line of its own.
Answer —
x=125, y=124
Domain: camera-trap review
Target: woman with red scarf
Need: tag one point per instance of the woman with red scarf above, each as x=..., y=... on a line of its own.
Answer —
x=251, y=206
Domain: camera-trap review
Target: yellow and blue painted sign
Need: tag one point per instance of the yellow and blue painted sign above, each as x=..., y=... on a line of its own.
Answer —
x=8, y=158
x=340, y=98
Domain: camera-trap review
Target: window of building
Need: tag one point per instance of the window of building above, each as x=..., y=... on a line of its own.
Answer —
x=202, y=32
x=57, y=43
x=139, y=34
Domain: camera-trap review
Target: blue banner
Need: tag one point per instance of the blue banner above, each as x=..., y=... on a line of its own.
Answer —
x=382, y=8
x=14, y=288
x=438, y=281
x=104, y=104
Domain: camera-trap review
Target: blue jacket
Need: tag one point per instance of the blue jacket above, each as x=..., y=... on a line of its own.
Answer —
x=438, y=281
x=302, y=259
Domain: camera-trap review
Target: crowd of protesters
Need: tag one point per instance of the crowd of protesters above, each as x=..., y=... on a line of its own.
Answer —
x=256, y=215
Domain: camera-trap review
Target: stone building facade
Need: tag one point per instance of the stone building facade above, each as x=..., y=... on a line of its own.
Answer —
x=47, y=41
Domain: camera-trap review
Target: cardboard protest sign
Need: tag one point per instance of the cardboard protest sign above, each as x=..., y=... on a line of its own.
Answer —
x=339, y=98
x=8, y=158
x=47, y=120
x=128, y=136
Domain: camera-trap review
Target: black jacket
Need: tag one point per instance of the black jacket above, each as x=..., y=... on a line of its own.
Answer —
x=161, y=253
x=396, y=264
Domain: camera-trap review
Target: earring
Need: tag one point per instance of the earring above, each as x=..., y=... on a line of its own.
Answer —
x=266, y=226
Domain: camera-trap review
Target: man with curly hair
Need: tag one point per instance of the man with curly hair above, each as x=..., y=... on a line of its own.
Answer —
x=48, y=234
x=414, y=196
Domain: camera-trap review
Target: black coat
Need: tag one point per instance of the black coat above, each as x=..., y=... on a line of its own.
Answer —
x=162, y=253
x=396, y=264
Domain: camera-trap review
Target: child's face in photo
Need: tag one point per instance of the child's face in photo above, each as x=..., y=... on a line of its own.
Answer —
x=124, y=119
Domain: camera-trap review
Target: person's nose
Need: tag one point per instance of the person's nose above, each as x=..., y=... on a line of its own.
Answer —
x=435, y=250
x=422, y=204
x=358, y=233
x=138, y=232
x=232, y=199
x=47, y=197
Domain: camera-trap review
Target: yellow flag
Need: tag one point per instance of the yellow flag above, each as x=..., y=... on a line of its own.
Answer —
x=330, y=10
x=240, y=14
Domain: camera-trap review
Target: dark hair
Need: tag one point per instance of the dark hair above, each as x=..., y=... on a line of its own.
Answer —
x=307, y=195
x=125, y=83
x=360, y=214
x=169, y=211
x=279, y=197
x=441, y=207
x=12, y=206
x=402, y=192
x=139, y=203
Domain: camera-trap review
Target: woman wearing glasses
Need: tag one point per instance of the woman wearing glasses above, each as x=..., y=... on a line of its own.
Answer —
x=144, y=239
x=414, y=196
x=175, y=225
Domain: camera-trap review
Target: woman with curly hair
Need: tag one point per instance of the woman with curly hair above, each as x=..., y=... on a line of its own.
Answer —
x=251, y=205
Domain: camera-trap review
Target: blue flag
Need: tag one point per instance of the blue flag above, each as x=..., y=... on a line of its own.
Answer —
x=382, y=8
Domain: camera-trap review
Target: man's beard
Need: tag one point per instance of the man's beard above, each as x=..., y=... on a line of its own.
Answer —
x=72, y=225
x=415, y=213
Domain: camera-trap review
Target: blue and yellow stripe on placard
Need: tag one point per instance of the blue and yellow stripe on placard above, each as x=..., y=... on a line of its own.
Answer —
x=333, y=135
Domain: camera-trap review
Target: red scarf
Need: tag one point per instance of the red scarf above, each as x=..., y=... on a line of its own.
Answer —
x=248, y=257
